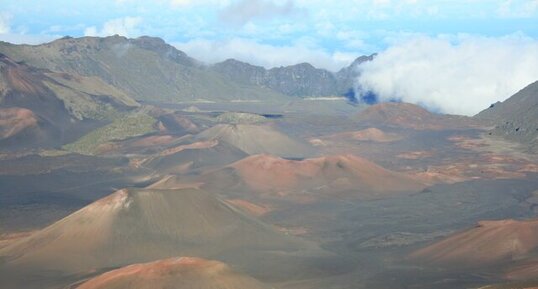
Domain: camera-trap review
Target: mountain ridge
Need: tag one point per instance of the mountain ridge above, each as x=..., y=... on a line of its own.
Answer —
x=119, y=61
x=309, y=80
x=56, y=106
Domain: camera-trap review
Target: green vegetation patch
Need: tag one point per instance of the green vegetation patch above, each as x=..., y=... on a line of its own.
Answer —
x=240, y=118
x=122, y=128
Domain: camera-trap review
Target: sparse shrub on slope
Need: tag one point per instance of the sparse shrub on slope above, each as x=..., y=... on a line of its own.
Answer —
x=122, y=128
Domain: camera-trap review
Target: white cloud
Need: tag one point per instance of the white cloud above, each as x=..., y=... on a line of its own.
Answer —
x=381, y=2
x=181, y=2
x=187, y=3
x=176, y=3
x=518, y=8
x=264, y=54
x=126, y=26
x=5, y=26
x=462, y=75
x=243, y=11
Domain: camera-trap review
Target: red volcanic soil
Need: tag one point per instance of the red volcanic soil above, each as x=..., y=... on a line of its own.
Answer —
x=196, y=145
x=156, y=140
x=415, y=155
x=488, y=243
x=480, y=166
x=21, y=79
x=408, y=115
x=334, y=173
x=449, y=174
x=8, y=238
x=15, y=120
x=178, y=273
x=369, y=134
x=466, y=142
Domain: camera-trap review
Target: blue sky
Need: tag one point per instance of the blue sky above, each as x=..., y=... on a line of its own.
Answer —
x=332, y=32
x=489, y=48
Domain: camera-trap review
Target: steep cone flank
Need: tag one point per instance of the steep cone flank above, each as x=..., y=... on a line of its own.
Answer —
x=172, y=182
x=488, y=243
x=197, y=155
x=178, y=273
x=250, y=208
x=257, y=139
x=349, y=175
x=527, y=270
x=15, y=120
x=142, y=225
x=516, y=118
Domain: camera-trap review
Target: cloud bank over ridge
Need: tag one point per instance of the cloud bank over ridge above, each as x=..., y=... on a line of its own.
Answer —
x=458, y=75
x=264, y=54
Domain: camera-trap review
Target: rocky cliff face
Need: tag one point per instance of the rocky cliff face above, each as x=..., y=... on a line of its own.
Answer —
x=296, y=80
x=516, y=118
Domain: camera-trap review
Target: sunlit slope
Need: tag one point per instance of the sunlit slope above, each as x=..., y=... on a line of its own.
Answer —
x=140, y=225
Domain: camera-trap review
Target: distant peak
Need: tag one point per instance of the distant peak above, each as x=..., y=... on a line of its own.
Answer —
x=233, y=61
x=305, y=65
x=364, y=58
x=117, y=36
x=150, y=42
x=151, y=38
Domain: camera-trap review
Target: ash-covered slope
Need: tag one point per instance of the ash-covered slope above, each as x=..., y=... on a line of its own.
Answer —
x=257, y=139
x=517, y=117
x=39, y=107
x=188, y=157
x=141, y=225
x=177, y=273
x=146, y=68
x=489, y=243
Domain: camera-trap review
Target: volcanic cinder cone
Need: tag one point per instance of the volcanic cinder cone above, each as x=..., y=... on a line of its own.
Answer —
x=257, y=139
x=342, y=175
x=194, y=156
x=177, y=273
x=140, y=225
